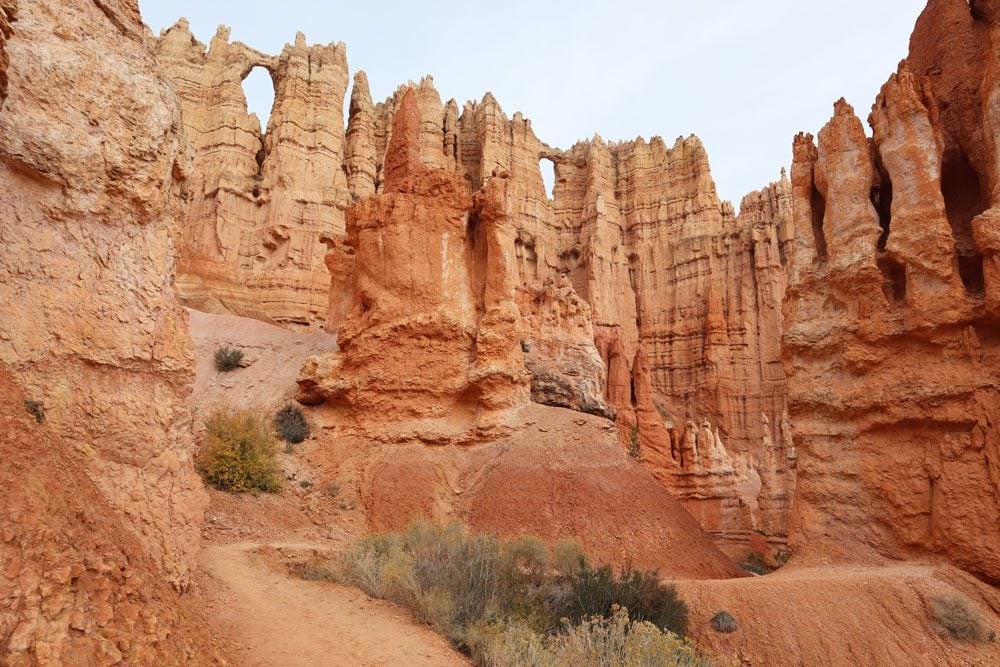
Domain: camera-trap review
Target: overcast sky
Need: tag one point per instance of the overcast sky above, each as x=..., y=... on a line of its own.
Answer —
x=745, y=76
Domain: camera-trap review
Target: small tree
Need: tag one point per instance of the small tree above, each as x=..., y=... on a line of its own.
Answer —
x=634, y=447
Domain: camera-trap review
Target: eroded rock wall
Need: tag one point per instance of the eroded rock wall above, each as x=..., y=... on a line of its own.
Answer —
x=262, y=202
x=79, y=587
x=891, y=342
x=430, y=339
x=91, y=189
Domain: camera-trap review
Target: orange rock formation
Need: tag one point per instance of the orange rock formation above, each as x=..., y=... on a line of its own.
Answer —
x=90, y=199
x=635, y=230
x=891, y=317
x=430, y=346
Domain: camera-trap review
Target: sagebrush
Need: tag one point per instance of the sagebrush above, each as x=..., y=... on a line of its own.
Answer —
x=227, y=358
x=724, y=622
x=291, y=424
x=495, y=599
x=955, y=617
x=239, y=452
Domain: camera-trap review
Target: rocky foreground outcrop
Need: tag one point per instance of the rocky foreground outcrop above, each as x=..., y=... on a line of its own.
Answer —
x=90, y=200
x=891, y=315
x=78, y=585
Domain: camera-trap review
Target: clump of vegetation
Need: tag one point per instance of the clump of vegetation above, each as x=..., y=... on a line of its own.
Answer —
x=611, y=640
x=755, y=563
x=227, y=358
x=724, y=622
x=634, y=447
x=955, y=617
x=238, y=453
x=35, y=409
x=781, y=557
x=332, y=489
x=515, y=602
x=291, y=424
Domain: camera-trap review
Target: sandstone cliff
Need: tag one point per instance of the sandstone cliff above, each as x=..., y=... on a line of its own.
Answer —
x=262, y=201
x=890, y=316
x=634, y=229
x=90, y=198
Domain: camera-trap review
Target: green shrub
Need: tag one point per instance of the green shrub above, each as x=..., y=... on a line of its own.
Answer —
x=955, y=617
x=238, y=453
x=724, y=622
x=227, y=359
x=291, y=424
x=755, y=563
x=596, y=591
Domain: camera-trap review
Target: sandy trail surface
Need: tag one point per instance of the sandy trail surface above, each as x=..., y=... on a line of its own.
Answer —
x=277, y=619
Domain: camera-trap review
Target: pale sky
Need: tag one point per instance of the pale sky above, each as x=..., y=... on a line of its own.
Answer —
x=743, y=75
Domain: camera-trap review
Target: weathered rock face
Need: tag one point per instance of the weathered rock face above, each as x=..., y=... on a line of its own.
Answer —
x=261, y=202
x=430, y=344
x=558, y=343
x=78, y=587
x=890, y=323
x=636, y=229
x=90, y=198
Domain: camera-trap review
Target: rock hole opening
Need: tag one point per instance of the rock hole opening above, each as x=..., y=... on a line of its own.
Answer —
x=548, y=169
x=963, y=201
x=818, y=214
x=259, y=94
x=893, y=277
x=881, y=196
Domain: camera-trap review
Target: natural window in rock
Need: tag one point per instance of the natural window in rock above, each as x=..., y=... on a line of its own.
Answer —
x=893, y=278
x=963, y=201
x=258, y=89
x=881, y=196
x=548, y=168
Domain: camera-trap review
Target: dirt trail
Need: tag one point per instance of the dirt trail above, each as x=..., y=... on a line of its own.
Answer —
x=281, y=620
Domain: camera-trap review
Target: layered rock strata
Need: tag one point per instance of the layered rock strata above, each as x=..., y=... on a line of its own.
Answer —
x=90, y=200
x=890, y=317
x=430, y=344
x=635, y=228
x=261, y=201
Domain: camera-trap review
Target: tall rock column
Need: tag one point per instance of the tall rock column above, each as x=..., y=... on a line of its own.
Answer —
x=430, y=346
x=889, y=318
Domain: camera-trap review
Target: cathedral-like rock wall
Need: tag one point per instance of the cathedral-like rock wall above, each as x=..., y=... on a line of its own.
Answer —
x=891, y=328
x=261, y=202
x=634, y=229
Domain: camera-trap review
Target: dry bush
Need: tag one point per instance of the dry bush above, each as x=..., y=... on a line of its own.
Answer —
x=595, y=642
x=510, y=603
x=955, y=617
x=239, y=453
x=227, y=358
x=291, y=424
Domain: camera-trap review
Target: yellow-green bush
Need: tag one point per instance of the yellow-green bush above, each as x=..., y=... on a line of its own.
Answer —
x=239, y=452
